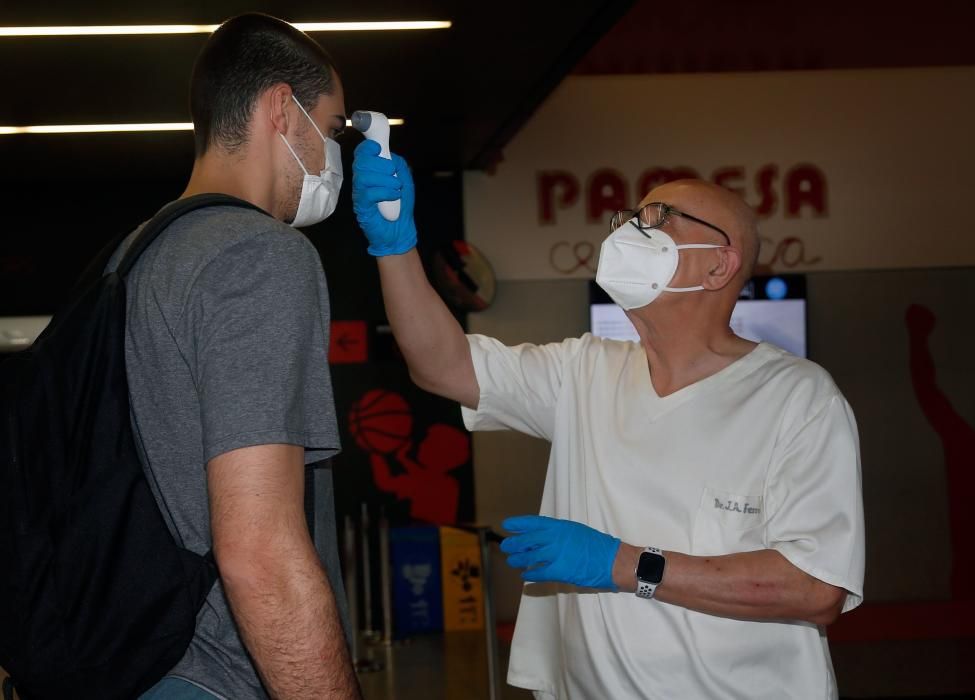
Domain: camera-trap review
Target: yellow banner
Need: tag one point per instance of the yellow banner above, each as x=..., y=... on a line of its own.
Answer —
x=463, y=594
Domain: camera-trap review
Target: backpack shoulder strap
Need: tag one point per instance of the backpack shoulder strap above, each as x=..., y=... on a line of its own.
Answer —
x=168, y=215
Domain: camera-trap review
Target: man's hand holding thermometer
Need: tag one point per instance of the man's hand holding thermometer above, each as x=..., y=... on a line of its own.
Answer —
x=382, y=189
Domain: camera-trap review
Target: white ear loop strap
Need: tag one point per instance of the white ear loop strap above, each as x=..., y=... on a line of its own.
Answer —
x=683, y=289
x=309, y=117
x=692, y=246
x=300, y=164
x=317, y=130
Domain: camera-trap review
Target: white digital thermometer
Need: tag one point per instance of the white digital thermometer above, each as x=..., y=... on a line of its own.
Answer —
x=375, y=126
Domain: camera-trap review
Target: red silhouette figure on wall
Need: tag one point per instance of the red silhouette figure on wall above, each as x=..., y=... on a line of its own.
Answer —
x=381, y=424
x=958, y=440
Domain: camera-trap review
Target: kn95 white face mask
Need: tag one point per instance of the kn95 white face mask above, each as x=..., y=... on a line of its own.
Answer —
x=636, y=267
x=319, y=193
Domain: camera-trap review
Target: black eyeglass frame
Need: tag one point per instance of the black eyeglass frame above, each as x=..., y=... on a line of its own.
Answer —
x=665, y=212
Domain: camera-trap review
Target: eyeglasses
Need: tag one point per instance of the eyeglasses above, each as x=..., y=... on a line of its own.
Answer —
x=655, y=215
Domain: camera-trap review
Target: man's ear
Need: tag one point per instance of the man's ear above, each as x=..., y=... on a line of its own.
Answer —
x=277, y=103
x=723, y=273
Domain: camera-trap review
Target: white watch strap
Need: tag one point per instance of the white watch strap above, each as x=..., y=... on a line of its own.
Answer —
x=646, y=589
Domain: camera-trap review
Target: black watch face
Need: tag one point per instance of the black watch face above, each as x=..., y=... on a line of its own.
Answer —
x=650, y=568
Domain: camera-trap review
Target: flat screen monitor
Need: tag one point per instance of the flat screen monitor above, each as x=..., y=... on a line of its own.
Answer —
x=770, y=309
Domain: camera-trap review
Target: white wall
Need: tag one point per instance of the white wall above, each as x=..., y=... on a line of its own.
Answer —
x=893, y=147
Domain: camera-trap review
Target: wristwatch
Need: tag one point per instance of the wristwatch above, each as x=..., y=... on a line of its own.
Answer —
x=649, y=572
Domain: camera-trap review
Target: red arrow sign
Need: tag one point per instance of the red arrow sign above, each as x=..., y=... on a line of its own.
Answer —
x=349, y=343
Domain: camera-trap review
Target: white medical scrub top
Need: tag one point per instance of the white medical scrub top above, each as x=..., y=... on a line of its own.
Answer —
x=763, y=454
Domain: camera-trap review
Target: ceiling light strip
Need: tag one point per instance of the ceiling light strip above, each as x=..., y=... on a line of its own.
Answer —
x=94, y=128
x=372, y=26
x=117, y=128
x=142, y=29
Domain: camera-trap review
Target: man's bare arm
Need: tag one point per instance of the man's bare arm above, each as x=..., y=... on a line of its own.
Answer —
x=432, y=341
x=760, y=585
x=280, y=596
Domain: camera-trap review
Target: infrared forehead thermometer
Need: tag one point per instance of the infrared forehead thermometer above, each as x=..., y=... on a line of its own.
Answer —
x=375, y=127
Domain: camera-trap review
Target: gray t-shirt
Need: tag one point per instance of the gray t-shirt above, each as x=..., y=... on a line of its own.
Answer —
x=227, y=347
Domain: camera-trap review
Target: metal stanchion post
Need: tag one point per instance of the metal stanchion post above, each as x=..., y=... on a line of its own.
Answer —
x=386, y=579
x=362, y=664
x=351, y=583
x=490, y=626
x=369, y=633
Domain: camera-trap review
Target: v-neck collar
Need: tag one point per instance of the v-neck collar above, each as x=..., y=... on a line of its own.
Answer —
x=658, y=406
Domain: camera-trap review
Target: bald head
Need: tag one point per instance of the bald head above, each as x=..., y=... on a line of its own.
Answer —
x=717, y=206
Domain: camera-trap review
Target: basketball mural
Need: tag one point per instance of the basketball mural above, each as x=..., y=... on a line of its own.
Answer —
x=381, y=423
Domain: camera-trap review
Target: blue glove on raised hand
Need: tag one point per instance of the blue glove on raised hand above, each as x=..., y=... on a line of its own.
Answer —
x=376, y=179
x=560, y=550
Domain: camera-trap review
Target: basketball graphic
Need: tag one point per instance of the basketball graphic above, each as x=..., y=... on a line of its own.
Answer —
x=381, y=422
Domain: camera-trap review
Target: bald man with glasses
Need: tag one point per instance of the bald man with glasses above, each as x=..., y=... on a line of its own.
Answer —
x=702, y=518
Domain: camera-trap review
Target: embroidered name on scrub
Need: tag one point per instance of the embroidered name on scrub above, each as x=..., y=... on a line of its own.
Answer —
x=735, y=507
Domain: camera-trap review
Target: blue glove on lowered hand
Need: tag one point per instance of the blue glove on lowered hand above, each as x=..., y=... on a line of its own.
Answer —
x=374, y=180
x=560, y=550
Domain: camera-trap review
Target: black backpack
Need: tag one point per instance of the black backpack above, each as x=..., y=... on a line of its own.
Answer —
x=97, y=599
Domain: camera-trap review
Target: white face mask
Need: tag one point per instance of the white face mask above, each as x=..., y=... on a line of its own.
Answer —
x=634, y=270
x=319, y=193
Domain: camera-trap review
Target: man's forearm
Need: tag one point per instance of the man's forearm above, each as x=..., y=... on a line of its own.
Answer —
x=431, y=339
x=288, y=618
x=760, y=585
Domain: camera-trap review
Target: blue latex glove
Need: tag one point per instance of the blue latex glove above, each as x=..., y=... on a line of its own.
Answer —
x=374, y=180
x=560, y=550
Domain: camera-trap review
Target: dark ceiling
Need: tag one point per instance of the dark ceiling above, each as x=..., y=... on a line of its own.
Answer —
x=464, y=92
x=754, y=35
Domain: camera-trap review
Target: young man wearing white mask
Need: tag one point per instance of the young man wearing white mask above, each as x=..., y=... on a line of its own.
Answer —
x=702, y=515
x=226, y=356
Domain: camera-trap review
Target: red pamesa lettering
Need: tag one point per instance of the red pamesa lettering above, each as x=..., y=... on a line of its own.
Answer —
x=798, y=192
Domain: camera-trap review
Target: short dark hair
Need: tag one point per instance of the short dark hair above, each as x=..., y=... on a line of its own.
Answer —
x=244, y=57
